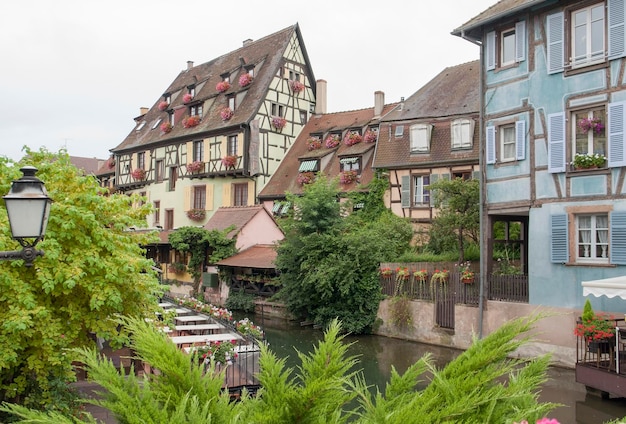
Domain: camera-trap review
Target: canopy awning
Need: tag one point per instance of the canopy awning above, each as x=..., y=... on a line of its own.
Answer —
x=609, y=287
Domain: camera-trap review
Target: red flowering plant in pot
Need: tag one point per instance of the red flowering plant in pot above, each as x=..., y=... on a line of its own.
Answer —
x=332, y=141
x=296, y=86
x=195, y=166
x=386, y=271
x=370, y=136
x=187, y=98
x=166, y=127
x=245, y=80
x=222, y=86
x=305, y=178
x=229, y=161
x=138, y=174
x=313, y=143
x=348, y=177
x=191, y=121
x=278, y=122
x=352, y=138
x=226, y=113
x=163, y=105
x=196, y=214
x=594, y=327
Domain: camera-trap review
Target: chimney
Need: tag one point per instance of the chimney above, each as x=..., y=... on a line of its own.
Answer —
x=320, y=102
x=143, y=110
x=189, y=64
x=247, y=41
x=379, y=103
x=401, y=103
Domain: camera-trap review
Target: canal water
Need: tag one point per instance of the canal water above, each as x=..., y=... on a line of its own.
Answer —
x=377, y=354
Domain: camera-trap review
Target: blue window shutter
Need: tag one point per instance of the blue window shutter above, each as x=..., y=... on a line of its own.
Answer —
x=617, y=249
x=617, y=32
x=556, y=142
x=520, y=41
x=490, y=133
x=556, y=39
x=558, y=242
x=520, y=140
x=615, y=127
x=405, y=190
x=490, y=50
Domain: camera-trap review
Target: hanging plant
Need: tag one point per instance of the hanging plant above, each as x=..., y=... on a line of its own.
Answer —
x=245, y=80
x=332, y=141
x=191, y=121
x=222, y=86
x=226, y=113
x=163, y=105
x=278, y=122
x=166, y=127
x=187, y=98
x=590, y=124
x=296, y=86
x=313, y=143
x=370, y=136
x=196, y=214
x=352, y=138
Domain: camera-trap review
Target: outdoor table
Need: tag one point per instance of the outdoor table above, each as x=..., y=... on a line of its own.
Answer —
x=200, y=328
x=195, y=319
x=203, y=339
x=166, y=305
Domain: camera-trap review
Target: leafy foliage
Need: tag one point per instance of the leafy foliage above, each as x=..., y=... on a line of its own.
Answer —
x=239, y=300
x=481, y=385
x=329, y=263
x=92, y=269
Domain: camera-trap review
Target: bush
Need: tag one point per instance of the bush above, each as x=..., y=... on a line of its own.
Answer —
x=240, y=301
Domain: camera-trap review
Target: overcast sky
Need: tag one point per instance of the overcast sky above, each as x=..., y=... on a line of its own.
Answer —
x=74, y=73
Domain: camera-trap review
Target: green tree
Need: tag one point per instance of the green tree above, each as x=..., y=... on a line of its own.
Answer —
x=482, y=385
x=458, y=212
x=200, y=242
x=93, y=269
x=329, y=263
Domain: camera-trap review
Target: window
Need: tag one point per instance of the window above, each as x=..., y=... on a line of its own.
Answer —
x=308, y=165
x=231, y=102
x=170, y=118
x=592, y=238
x=169, y=219
x=198, y=151
x=191, y=90
x=505, y=47
x=294, y=76
x=196, y=110
x=232, y=145
x=167, y=97
x=225, y=77
x=350, y=164
x=157, y=212
x=173, y=178
x=141, y=160
x=140, y=126
x=589, y=139
x=507, y=143
x=250, y=71
x=199, y=197
x=462, y=133
x=399, y=131
x=303, y=117
x=421, y=195
x=240, y=194
x=511, y=144
x=420, y=137
x=277, y=110
x=156, y=123
x=159, y=169
x=587, y=35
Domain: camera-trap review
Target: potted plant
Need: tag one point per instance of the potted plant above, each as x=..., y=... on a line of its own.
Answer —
x=296, y=86
x=305, y=178
x=352, y=138
x=370, y=136
x=177, y=267
x=229, y=161
x=347, y=177
x=420, y=276
x=138, y=174
x=278, y=122
x=588, y=161
x=166, y=127
x=245, y=79
x=226, y=113
x=590, y=124
x=163, y=105
x=196, y=214
x=332, y=141
x=187, y=98
x=440, y=276
x=596, y=329
x=222, y=353
x=191, y=121
x=222, y=86
x=467, y=275
x=313, y=143
x=385, y=272
x=195, y=166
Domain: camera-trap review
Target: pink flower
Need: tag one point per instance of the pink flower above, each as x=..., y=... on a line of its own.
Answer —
x=166, y=127
x=187, y=98
x=222, y=86
x=370, y=136
x=332, y=140
x=191, y=121
x=278, y=122
x=226, y=113
x=245, y=79
x=163, y=105
x=296, y=86
x=352, y=138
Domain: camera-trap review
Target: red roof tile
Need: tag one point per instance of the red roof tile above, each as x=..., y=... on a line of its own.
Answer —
x=258, y=256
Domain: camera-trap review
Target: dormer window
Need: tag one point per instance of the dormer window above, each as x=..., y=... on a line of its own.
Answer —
x=420, y=138
x=231, y=102
x=195, y=110
x=191, y=90
x=309, y=165
x=350, y=164
x=250, y=70
x=167, y=98
x=225, y=77
x=140, y=126
x=156, y=123
x=462, y=133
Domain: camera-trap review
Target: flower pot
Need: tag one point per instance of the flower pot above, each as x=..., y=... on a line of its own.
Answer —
x=599, y=346
x=467, y=280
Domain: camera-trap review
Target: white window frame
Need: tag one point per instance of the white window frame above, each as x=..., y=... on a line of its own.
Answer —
x=591, y=136
x=462, y=131
x=590, y=22
x=420, y=138
x=399, y=132
x=590, y=246
x=421, y=195
x=507, y=49
x=350, y=164
x=504, y=142
x=232, y=145
x=198, y=150
x=196, y=110
x=141, y=160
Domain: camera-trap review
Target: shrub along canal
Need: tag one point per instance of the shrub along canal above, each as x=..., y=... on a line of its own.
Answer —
x=377, y=354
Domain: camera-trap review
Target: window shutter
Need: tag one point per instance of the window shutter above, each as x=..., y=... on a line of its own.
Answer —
x=209, y=197
x=433, y=179
x=520, y=41
x=251, y=193
x=406, y=191
x=556, y=142
x=189, y=151
x=188, y=199
x=491, y=145
x=556, y=38
x=617, y=32
x=207, y=150
x=520, y=139
x=615, y=127
x=226, y=200
x=490, y=50
x=558, y=242
x=617, y=249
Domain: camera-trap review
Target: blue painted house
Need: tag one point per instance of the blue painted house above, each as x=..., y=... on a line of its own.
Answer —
x=553, y=84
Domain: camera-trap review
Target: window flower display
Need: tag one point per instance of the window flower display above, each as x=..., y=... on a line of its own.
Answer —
x=590, y=124
x=370, y=136
x=226, y=113
x=138, y=174
x=163, y=105
x=347, y=177
x=166, y=127
x=196, y=214
x=305, y=178
x=332, y=141
x=313, y=143
x=191, y=121
x=296, y=86
x=587, y=161
x=229, y=161
x=187, y=98
x=245, y=79
x=222, y=86
x=278, y=122
x=195, y=166
x=352, y=138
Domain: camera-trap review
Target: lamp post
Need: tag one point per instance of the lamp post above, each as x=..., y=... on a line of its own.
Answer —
x=28, y=208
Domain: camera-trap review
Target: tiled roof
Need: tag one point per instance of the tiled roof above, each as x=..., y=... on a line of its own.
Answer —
x=266, y=54
x=285, y=178
x=257, y=256
x=452, y=94
x=88, y=165
x=497, y=11
x=238, y=216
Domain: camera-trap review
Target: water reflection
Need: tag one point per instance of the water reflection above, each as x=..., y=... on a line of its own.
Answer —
x=377, y=355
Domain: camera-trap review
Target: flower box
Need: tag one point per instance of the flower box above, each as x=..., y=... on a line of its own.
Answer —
x=305, y=178
x=386, y=272
x=196, y=214
x=195, y=166
x=245, y=80
x=421, y=275
x=588, y=161
x=347, y=177
x=222, y=86
x=191, y=121
x=226, y=113
x=370, y=136
x=229, y=161
x=332, y=141
x=166, y=127
x=352, y=138
x=138, y=174
x=296, y=86
x=278, y=122
x=313, y=143
x=187, y=98
x=163, y=105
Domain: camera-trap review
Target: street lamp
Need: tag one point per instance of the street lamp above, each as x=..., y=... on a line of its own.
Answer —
x=28, y=208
